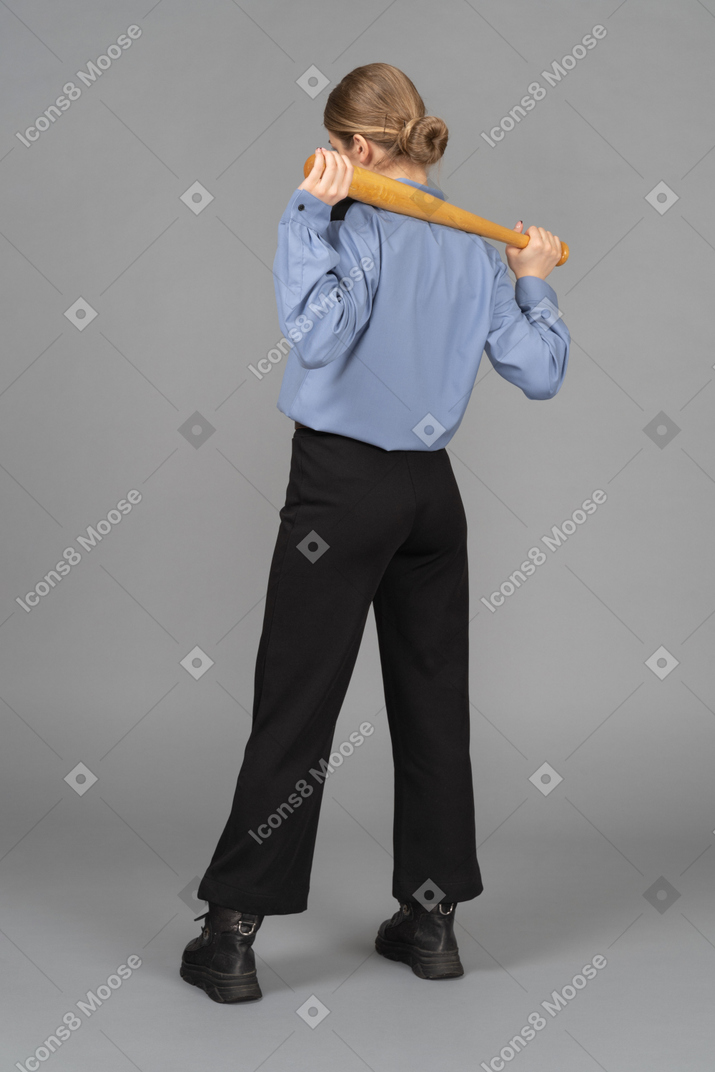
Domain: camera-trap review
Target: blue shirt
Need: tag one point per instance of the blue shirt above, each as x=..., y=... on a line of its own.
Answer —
x=388, y=316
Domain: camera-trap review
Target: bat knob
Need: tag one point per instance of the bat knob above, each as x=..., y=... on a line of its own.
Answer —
x=564, y=255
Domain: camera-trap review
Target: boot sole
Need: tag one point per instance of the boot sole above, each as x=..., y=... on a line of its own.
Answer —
x=425, y=964
x=223, y=988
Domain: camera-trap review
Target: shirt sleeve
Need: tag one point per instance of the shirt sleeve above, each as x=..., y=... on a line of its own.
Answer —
x=528, y=342
x=324, y=294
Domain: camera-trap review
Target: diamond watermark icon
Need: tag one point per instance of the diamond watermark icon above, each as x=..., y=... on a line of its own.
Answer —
x=661, y=429
x=196, y=429
x=428, y=429
x=429, y=894
x=80, y=778
x=196, y=662
x=545, y=313
x=546, y=778
x=428, y=203
x=661, y=894
x=80, y=314
x=312, y=1011
x=196, y=198
x=313, y=546
x=312, y=81
x=661, y=197
x=189, y=895
x=662, y=662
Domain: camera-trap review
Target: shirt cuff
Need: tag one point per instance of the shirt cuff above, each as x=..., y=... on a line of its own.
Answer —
x=537, y=301
x=530, y=290
x=309, y=210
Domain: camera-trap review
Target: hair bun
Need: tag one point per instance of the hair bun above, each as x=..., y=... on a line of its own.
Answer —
x=423, y=139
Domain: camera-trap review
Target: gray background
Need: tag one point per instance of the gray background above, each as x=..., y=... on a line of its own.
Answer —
x=616, y=859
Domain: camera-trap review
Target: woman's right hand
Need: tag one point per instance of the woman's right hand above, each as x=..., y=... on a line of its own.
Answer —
x=330, y=177
x=538, y=258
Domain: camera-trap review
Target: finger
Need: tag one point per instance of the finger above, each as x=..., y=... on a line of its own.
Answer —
x=310, y=181
x=338, y=177
x=534, y=237
x=343, y=175
x=330, y=168
x=313, y=178
x=347, y=177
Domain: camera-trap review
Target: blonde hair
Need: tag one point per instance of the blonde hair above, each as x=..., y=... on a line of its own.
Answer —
x=380, y=102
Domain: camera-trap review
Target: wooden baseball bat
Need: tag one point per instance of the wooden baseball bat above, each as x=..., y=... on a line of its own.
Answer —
x=383, y=192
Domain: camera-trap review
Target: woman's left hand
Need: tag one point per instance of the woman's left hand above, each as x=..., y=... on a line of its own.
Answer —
x=329, y=178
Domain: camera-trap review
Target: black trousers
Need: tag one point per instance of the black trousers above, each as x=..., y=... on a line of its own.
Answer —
x=361, y=526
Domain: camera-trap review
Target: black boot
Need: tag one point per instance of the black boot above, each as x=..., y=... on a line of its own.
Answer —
x=422, y=938
x=221, y=960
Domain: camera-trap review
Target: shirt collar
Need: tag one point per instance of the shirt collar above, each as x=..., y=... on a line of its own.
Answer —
x=427, y=189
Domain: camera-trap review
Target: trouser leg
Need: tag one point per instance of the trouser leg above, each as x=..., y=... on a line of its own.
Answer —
x=422, y=618
x=357, y=503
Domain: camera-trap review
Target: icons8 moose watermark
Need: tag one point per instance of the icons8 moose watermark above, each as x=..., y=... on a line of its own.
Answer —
x=304, y=789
